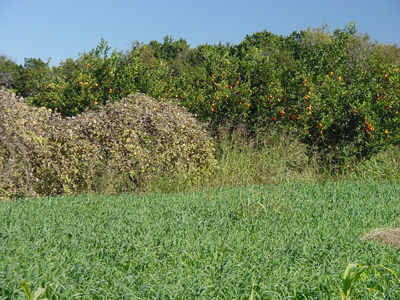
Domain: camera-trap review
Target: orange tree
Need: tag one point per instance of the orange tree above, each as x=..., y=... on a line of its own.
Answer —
x=96, y=79
x=8, y=71
x=224, y=88
x=345, y=110
x=31, y=75
x=267, y=98
x=152, y=73
x=325, y=92
x=214, y=88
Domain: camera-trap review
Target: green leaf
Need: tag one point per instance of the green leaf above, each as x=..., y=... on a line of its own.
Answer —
x=342, y=295
x=348, y=279
x=25, y=286
x=391, y=271
x=38, y=293
x=252, y=293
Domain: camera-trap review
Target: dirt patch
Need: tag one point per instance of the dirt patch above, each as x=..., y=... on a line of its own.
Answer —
x=385, y=235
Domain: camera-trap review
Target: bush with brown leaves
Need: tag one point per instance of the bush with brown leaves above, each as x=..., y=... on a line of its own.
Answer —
x=114, y=149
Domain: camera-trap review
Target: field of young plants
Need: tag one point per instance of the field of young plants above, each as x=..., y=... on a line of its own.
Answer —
x=289, y=241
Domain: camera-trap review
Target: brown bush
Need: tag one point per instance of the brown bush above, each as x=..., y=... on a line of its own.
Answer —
x=385, y=235
x=113, y=149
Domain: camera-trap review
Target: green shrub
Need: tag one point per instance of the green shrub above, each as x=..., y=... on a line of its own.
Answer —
x=347, y=111
x=116, y=148
x=228, y=89
x=94, y=79
x=30, y=77
x=8, y=71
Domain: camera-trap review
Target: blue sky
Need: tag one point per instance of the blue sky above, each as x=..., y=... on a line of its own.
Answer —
x=64, y=28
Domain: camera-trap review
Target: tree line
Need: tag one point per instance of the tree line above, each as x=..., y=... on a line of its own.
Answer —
x=338, y=91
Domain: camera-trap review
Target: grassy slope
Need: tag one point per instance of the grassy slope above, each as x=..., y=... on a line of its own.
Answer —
x=288, y=240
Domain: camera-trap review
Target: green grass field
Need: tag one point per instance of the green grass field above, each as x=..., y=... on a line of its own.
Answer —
x=289, y=241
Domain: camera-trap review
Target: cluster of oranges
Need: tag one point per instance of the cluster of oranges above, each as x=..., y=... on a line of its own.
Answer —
x=369, y=127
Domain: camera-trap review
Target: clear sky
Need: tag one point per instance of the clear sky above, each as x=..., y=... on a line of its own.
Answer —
x=64, y=28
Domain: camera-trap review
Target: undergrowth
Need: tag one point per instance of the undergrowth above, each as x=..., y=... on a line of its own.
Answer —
x=271, y=158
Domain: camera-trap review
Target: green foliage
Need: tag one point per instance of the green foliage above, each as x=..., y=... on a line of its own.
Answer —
x=344, y=110
x=152, y=73
x=25, y=284
x=356, y=272
x=342, y=120
x=332, y=91
x=214, y=92
x=8, y=72
x=32, y=76
x=95, y=79
x=176, y=53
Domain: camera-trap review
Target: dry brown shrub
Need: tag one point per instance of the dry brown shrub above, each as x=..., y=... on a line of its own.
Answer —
x=385, y=235
x=113, y=149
